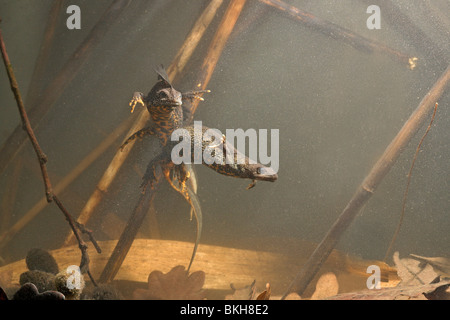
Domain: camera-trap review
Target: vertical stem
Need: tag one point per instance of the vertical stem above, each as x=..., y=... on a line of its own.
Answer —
x=84, y=264
x=216, y=47
x=405, y=194
x=368, y=186
x=44, y=53
x=54, y=90
x=127, y=237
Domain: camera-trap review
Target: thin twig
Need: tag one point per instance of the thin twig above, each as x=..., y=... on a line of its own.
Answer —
x=7, y=235
x=42, y=158
x=8, y=200
x=53, y=91
x=368, y=186
x=44, y=52
x=436, y=55
x=405, y=194
x=215, y=49
x=191, y=42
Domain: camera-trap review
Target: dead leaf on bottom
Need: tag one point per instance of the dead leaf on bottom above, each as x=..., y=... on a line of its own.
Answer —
x=415, y=292
x=326, y=286
x=265, y=295
x=412, y=271
x=440, y=264
x=245, y=293
x=177, y=284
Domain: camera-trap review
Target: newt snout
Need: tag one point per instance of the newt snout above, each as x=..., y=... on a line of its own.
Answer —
x=263, y=173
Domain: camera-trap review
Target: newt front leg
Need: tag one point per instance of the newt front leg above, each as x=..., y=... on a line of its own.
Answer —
x=150, y=130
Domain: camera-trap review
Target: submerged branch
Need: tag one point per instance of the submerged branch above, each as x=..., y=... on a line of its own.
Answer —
x=44, y=52
x=42, y=158
x=215, y=49
x=57, y=86
x=405, y=195
x=335, y=31
x=8, y=234
x=368, y=186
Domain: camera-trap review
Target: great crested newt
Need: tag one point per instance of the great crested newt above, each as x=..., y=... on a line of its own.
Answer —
x=164, y=104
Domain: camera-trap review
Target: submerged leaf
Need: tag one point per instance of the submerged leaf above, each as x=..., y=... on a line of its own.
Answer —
x=415, y=292
x=177, y=284
x=265, y=295
x=326, y=286
x=440, y=264
x=293, y=296
x=413, y=272
x=246, y=293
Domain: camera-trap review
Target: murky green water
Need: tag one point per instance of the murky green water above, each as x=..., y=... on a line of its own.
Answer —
x=336, y=107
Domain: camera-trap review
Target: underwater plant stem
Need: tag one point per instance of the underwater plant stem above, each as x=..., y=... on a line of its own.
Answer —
x=335, y=31
x=53, y=91
x=194, y=37
x=44, y=52
x=7, y=235
x=26, y=122
x=405, y=194
x=128, y=235
x=215, y=48
x=108, y=176
x=134, y=222
x=42, y=158
x=9, y=198
x=434, y=51
x=366, y=189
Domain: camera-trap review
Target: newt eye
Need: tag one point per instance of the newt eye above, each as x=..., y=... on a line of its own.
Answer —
x=162, y=95
x=263, y=171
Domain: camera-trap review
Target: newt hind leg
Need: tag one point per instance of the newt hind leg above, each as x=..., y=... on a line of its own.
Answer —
x=138, y=134
x=179, y=177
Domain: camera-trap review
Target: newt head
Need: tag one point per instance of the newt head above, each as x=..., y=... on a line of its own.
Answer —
x=168, y=97
x=163, y=94
x=261, y=172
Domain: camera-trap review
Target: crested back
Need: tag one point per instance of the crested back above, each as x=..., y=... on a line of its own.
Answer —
x=162, y=74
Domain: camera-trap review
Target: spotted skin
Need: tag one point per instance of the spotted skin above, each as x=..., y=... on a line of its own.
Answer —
x=238, y=165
